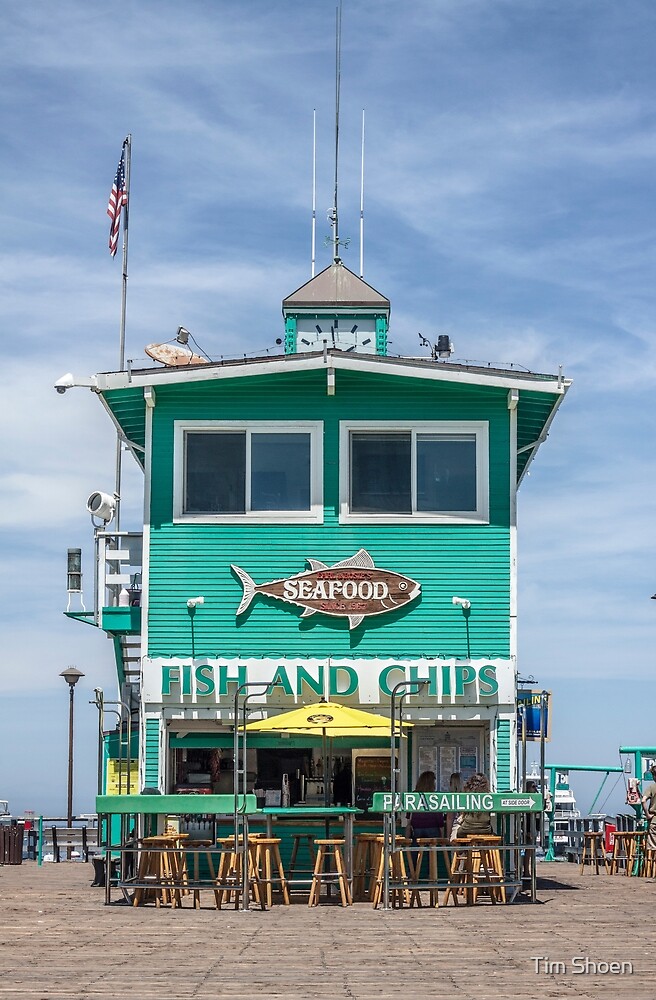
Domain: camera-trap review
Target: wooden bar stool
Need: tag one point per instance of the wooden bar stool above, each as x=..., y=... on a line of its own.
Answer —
x=301, y=840
x=459, y=873
x=195, y=850
x=622, y=849
x=327, y=849
x=363, y=864
x=636, y=853
x=476, y=867
x=649, y=865
x=163, y=864
x=229, y=875
x=593, y=850
x=432, y=868
x=267, y=858
x=398, y=873
x=487, y=867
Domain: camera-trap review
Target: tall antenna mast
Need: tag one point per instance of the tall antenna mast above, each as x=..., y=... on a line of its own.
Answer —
x=362, y=202
x=314, y=191
x=338, y=79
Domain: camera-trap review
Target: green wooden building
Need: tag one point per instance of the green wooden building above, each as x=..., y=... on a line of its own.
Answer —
x=331, y=518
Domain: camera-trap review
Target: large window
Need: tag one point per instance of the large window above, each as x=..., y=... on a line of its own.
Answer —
x=432, y=471
x=257, y=470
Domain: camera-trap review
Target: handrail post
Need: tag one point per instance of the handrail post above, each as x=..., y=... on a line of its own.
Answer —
x=399, y=692
x=240, y=787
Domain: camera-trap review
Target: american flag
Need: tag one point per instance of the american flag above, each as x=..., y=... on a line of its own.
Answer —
x=117, y=199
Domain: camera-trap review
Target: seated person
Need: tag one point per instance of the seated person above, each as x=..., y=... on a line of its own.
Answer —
x=425, y=825
x=474, y=824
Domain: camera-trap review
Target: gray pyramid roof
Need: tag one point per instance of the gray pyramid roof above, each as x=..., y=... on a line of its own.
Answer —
x=335, y=286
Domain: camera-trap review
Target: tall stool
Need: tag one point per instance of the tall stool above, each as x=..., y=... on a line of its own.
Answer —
x=432, y=870
x=459, y=873
x=398, y=873
x=593, y=850
x=636, y=852
x=202, y=847
x=229, y=875
x=487, y=867
x=619, y=862
x=475, y=867
x=649, y=866
x=327, y=849
x=267, y=857
x=306, y=840
x=163, y=864
x=363, y=864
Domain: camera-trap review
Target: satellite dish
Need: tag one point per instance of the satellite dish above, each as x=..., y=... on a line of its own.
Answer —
x=173, y=355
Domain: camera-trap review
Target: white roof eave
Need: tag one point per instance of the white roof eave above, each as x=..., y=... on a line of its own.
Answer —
x=294, y=363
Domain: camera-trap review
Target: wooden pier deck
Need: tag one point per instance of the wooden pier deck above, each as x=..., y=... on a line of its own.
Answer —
x=58, y=940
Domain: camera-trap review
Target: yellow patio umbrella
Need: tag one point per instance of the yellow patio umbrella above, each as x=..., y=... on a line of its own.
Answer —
x=327, y=719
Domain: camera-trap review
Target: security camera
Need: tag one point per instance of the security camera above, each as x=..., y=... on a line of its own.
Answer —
x=102, y=505
x=69, y=381
x=193, y=602
x=65, y=382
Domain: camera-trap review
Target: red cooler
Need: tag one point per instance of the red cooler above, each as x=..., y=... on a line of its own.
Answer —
x=609, y=837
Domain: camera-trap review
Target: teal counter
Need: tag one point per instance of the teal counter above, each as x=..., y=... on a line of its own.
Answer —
x=175, y=805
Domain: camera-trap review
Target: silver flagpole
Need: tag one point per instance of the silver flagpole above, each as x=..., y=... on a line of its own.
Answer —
x=127, y=146
x=362, y=203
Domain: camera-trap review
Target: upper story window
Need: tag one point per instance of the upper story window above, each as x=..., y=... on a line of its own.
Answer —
x=264, y=471
x=435, y=471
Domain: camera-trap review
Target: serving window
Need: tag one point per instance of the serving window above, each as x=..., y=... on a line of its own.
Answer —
x=436, y=471
x=259, y=471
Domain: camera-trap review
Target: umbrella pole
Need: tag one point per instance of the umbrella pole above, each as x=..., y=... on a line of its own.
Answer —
x=324, y=750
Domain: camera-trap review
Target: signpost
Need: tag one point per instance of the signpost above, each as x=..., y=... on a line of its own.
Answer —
x=456, y=802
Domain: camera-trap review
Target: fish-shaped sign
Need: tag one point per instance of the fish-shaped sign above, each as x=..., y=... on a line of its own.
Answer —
x=353, y=588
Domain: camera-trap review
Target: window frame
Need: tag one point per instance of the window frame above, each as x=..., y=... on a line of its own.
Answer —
x=312, y=516
x=480, y=430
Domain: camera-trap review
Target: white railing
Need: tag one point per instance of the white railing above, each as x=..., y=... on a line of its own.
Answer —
x=119, y=556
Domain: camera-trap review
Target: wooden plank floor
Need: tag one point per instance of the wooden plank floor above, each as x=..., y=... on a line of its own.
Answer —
x=58, y=940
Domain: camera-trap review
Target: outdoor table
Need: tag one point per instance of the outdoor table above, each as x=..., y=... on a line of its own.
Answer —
x=343, y=814
x=157, y=807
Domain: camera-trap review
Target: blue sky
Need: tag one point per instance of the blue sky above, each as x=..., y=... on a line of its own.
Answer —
x=511, y=158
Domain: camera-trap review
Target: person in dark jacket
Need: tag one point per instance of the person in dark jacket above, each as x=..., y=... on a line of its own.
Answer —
x=425, y=825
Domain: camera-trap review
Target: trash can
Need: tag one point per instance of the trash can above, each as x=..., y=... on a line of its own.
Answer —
x=11, y=844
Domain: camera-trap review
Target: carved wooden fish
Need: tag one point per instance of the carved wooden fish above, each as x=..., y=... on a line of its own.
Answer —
x=353, y=588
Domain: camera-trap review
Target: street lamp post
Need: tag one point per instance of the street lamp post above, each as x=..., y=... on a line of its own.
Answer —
x=71, y=675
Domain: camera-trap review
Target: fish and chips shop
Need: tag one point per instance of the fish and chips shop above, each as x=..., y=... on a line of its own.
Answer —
x=330, y=524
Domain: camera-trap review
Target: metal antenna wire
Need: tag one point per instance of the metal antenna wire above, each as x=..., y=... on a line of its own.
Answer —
x=338, y=81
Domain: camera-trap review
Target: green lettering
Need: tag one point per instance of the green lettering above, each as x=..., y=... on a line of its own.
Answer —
x=170, y=675
x=304, y=677
x=383, y=678
x=186, y=679
x=225, y=678
x=488, y=679
x=464, y=675
x=446, y=680
x=333, y=681
x=204, y=680
x=281, y=680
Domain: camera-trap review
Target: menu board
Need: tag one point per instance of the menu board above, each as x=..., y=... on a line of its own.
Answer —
x=371, y=773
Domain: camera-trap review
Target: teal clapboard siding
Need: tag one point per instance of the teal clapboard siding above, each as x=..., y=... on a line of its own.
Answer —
x=503, y=755
x=471, y=561
x=151, y=754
